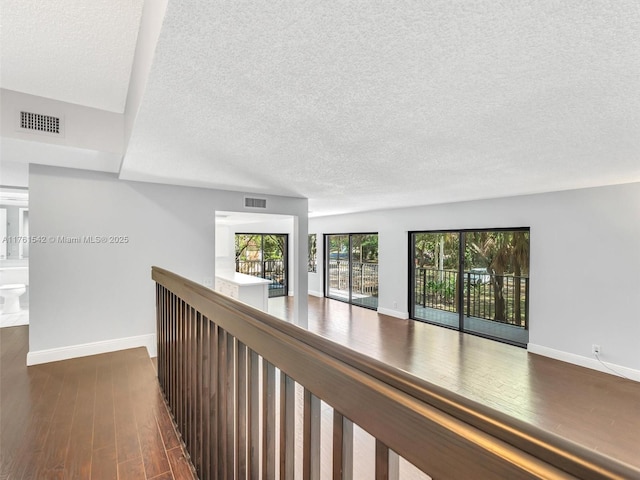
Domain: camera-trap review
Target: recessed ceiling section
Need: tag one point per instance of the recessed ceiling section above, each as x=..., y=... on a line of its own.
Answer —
x=41, y=130
x=17, y=151
x=75, y=51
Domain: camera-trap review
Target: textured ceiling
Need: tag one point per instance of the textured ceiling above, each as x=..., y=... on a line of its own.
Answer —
x=76, y=51
x=360, y=105
x=354, y=105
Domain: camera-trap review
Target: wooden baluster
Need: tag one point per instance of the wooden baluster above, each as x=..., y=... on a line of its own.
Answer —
x=191, y=405
x=311, y=437
x=172, y=357
x=387, y=463
x=206, y=394
x=222, y=403
x=189, y=361
x=268, y=421
x=168, y=347
x=213, y=401
x=170, y=350
x=241, y=411
x=287, y=426
x=253, y=419
x=175, y=362
x=160, y=332
x=159, y=335
x=181, y=372
x=165, y=342
x=230, y=406
x=185, y=371
x=173, y=354
x=200, y=359
x=193, y=400
x=382, y=461
x=342, y=447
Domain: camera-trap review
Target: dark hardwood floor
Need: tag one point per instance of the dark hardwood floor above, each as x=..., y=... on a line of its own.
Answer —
x=597, y=410
x=103, y=417
x=98, y=417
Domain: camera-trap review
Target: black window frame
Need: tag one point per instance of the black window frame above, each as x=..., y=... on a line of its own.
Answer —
x=461, y=270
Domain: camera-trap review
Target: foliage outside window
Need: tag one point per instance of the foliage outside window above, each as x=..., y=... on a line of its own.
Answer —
x=265, y=256
x=488, y=286
x=313, y=258
x=352, y=268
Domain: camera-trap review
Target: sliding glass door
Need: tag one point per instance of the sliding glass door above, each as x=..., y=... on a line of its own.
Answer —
x=264, y=256
x=473, y=280
x=352, y=268
x=337, y=282
x=436, y=277
x=497, y=284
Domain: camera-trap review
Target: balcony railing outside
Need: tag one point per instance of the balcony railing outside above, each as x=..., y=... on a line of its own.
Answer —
x=228, y=371
x=438, y=289
x=364, y=277
x=273, y=270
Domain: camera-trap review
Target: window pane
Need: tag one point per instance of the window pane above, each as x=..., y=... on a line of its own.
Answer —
x=496, y=284
x=352, y=268
x=338, y=267
x=313, y=262
x=265, y=256
x=436, y=277
x=364, y=270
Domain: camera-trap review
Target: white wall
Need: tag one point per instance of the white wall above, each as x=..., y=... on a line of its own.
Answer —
x=14, y=174
x=87, y=297
x=585, y=264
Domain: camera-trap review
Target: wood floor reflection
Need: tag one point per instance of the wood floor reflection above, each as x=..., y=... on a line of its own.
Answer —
x=597, y=410
x=100, y=417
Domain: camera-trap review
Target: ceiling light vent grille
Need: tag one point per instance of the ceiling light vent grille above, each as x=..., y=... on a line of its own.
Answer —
x=36, y=122
x=251, y=202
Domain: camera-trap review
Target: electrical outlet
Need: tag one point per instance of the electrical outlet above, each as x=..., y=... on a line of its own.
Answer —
x=208, y=282
x=595, y=349
x=395, y=304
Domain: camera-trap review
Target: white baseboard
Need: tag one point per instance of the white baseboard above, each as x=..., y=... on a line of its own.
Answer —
x=313, y=293
x=393, y=313
x=95, y=348
x=586, y=362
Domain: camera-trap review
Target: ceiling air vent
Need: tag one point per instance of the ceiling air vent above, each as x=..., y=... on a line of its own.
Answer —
x=38, y=123
x=250, y=202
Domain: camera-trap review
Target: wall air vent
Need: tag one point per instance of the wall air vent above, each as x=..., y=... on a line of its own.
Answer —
x=250, y=202
x=43, y=124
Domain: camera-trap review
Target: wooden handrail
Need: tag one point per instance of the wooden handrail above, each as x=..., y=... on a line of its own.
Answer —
x=442, y=433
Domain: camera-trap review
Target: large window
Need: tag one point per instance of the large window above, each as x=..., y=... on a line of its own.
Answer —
x=313, y=249
x=264, y=256
x=473, y=281
x=351, y=272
